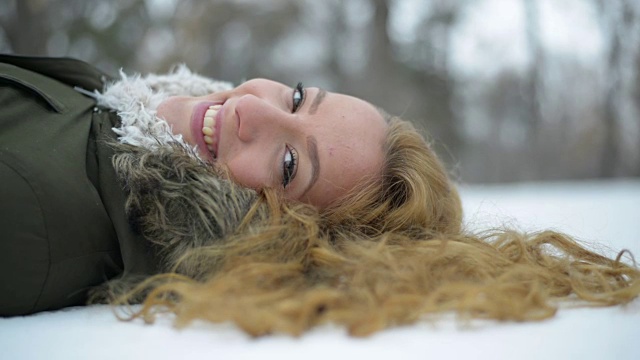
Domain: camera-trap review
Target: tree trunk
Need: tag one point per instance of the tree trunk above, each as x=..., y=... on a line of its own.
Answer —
x=609, y=159
x=26, y=31
x=533, y=114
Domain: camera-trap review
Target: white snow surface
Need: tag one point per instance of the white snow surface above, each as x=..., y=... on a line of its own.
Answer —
x=605, y=214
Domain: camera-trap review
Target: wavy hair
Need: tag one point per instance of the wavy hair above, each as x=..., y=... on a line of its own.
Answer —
x=391, y=252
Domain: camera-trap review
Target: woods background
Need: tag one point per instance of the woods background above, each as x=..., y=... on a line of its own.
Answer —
x=511, y=90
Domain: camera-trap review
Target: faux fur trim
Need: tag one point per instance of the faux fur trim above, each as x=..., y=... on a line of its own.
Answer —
x=179, y=202
x=175, y=200
x=135, y=98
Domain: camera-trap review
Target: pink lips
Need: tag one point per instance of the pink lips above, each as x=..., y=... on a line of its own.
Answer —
x=197, y=119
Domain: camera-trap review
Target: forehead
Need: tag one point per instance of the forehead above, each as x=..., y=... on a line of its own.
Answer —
x=350, y=146
x=349, y=113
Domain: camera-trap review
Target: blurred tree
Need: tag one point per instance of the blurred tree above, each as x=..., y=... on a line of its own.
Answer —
x=420, y=89
x=609, y=157
x=620, y=18
x=534, y=82
x=559, y=114
x=26, y=28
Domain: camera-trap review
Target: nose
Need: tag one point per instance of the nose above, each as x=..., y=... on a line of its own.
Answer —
x=261, y=118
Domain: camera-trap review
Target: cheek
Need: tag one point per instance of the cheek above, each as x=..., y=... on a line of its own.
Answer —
x=257, y=86
x=247, y=172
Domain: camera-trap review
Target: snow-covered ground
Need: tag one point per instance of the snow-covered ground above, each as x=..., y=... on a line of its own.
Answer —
x=606, y=213
x=597, y=212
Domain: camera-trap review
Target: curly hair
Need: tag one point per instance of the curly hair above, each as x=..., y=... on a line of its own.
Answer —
x=391, y=252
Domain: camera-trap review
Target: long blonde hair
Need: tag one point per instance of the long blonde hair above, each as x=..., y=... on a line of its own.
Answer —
x=392, y=252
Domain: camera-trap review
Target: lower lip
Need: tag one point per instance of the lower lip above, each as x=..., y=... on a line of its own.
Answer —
x=218, y=125
x=197, y=122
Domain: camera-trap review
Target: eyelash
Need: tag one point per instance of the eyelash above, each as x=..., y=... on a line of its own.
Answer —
x=298, y=97
x=289, y=165
x=290, y=161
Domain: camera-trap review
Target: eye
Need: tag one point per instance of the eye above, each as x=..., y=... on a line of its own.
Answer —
x=289, y=165
x=298, y=97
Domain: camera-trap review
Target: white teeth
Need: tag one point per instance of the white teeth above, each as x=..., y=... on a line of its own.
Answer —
x=212, y=111
x=209, y=126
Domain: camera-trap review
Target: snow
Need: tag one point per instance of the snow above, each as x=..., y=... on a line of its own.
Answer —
x=598, y=212
x=602, y=212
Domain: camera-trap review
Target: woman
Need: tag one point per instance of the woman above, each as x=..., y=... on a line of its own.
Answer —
x=384, y=249
x=59, y=187
x=364, y=231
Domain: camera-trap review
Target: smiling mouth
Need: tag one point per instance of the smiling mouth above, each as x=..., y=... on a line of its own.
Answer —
x=209, y=133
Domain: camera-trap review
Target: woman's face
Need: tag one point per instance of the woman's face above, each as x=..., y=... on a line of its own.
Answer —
x=312, y=144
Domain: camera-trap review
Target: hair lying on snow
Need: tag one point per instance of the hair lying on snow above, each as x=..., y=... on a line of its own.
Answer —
x=269, y=265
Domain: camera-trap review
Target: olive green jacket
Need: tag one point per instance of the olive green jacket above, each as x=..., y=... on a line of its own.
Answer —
x=63, y=228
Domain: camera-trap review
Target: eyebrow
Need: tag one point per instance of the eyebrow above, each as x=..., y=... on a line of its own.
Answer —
x=312, y=148
x=316, y=102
